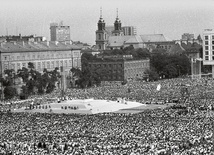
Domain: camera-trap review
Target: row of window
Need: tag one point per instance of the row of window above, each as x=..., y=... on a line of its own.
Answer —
x=207, y=47
x=207, y=52
x=42, y=65
x=38, y=56
x=207, y=37
x=106, y=65
x=207, y=58
x=207, y=42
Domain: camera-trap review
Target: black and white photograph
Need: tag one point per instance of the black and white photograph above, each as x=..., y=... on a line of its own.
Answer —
x=107, y=77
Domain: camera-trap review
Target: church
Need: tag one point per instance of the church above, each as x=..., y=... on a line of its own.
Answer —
x=109, y=38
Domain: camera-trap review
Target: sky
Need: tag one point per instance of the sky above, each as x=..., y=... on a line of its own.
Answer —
x=169, y=17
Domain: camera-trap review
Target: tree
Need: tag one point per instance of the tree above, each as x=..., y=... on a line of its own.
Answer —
x=9, y=92
x=152, y=74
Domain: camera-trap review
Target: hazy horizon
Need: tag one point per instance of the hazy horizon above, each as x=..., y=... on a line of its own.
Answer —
x=169, y=17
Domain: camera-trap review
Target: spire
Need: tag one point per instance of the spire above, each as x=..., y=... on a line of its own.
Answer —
x=117, y=14
x=101, y=13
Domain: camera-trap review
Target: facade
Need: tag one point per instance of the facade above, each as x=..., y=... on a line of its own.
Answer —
x=58, y=32
x=187, y=36
x=120, y=69
x=208, y=48
x=49, y=55
x=129, y=30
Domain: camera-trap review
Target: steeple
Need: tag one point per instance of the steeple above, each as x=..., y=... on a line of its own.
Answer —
x=117, y=14
x=101, y=22
x=117, y=23
x=101, y=33
x=101, y=13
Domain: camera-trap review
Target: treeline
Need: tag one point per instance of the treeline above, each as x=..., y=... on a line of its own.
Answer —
x=33, y=82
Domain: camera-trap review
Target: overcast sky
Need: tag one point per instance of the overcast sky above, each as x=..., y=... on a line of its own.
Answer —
x=169, y=17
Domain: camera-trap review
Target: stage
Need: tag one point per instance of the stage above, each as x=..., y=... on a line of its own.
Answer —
x=88, y=106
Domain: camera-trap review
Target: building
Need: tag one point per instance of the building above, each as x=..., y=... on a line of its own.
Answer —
x=208, y=48
x=49, y=55
x=59, y=32
x=19, y=38
x=129, y=30
x=187, y=36
x=119, y=68
x=149, y=41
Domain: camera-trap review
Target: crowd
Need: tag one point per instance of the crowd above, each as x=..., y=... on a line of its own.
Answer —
x=184, y=129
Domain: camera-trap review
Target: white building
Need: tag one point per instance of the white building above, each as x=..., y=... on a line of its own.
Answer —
x=208, y=48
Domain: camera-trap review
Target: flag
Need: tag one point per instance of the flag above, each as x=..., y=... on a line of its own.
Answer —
x=158, y=87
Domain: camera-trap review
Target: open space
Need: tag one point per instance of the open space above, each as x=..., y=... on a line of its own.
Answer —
x=90, y=106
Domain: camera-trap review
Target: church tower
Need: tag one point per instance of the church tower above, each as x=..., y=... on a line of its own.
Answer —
x=117, y=27
x=101, y=34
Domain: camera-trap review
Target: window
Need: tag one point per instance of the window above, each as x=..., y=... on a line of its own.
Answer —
x=13, y=66
x=70, y=63
x=206, y=58
x=18, y=57
x=43, y=64
x=206, y=37
x=213, y=37
x=39, y=65
x=61, y=63
x=206, y=42
x=213, y=58
x=206, y=53
x=48, y=65
x=57, y=63
x=212, y=53
x=6, y=66
x=99, y=36
x=23, y=64
x=66, y=64
x=206, y=48
x=18, y=66
x=52, y=64
x=213, y=42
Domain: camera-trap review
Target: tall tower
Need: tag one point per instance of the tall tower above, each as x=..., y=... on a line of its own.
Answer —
x=101, y=34
x=59, y=32
x=117, y=27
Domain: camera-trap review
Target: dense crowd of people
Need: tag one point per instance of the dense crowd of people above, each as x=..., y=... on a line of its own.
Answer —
x=183, y=129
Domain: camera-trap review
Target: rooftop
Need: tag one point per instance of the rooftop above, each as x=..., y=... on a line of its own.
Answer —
x=36, y=46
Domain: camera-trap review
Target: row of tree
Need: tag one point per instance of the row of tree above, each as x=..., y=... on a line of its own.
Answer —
x=34, y=82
